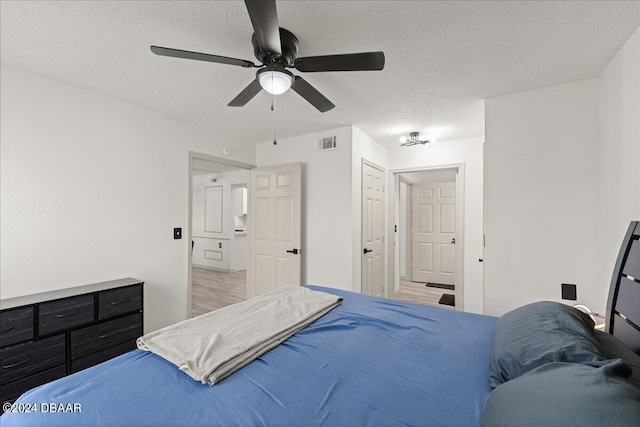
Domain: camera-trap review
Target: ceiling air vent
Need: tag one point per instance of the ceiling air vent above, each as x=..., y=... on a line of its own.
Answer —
x=328, y=143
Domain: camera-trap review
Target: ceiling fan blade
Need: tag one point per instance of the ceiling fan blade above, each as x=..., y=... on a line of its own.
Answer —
x=185, y=54
x=365, y=61
x=246, y=95
x=264, y=18
x=311, y=94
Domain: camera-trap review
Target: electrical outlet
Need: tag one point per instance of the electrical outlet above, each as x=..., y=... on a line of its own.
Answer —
x=569, y=291
x=177, y=233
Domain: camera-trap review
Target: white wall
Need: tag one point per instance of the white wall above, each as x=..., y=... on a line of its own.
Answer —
x=91, y=189
x=204, y=239
x=618, y=153
x=541, y=207
x=592, y=130
x=469, y=152
x=326, y=203
x=228, y=181
x=363, y=148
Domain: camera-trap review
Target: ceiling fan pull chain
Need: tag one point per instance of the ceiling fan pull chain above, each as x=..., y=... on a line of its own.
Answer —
x=273, y=108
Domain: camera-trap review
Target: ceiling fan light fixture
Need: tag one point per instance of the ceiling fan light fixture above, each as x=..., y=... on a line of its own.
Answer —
x=275, y=82
x=413, y=139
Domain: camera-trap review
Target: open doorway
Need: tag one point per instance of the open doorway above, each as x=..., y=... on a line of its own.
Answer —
x=428, y=267
x=218, y=219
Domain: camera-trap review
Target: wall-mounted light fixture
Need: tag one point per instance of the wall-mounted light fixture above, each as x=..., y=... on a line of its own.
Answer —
x=413, y=139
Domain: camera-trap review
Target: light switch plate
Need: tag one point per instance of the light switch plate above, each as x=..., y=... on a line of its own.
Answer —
x=177, y=233
x=569, y=291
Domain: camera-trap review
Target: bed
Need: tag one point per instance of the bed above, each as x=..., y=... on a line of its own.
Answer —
x=369, y=361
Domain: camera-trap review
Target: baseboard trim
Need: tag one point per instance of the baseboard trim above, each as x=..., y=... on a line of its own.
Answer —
x=206, y=267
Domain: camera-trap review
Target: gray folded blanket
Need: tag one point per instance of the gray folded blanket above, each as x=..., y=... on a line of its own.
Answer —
x=213, y=346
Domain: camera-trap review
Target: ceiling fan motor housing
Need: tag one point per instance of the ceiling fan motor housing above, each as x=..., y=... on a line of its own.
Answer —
x=277, y=49
x=289, y=43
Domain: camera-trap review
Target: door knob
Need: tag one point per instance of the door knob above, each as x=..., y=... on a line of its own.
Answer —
x=453, y=241
x=293, y=251
x=366, y=251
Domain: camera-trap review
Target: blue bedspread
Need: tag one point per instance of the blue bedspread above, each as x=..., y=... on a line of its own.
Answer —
x=370, y=361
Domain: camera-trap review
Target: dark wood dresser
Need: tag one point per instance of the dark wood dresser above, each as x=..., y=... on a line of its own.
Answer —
x=46, y=336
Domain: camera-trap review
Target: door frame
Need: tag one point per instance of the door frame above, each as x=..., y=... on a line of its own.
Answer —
x=364, y=162
x=192, y=155
x=393, y=276
x=409, y=235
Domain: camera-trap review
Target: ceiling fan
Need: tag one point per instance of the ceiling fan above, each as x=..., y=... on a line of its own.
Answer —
x=277, y=50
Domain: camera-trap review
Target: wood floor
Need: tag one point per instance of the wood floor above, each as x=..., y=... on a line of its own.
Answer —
x=421, y=294
x=211, y=290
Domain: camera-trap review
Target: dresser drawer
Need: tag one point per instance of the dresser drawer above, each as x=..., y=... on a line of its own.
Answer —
x=65, y=313
x=102, y=336
x=119, y=301
x=102, y=356
x=11, y=391
x=21, y=360
x=16, y=325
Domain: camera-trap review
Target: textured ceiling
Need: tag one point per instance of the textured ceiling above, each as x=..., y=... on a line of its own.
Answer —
x=442, y=58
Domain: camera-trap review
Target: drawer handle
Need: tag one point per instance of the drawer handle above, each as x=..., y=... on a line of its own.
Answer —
x=16, y=364
x=120, y=301
x=60, y=316
x=10, y=328
x=109, y=334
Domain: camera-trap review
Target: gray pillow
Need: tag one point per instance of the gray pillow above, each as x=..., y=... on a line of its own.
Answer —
x=613, y=348
x=539, y=333
x=566, y=394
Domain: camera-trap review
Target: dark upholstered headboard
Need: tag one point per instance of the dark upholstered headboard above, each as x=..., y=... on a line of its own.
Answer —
x=623, y=305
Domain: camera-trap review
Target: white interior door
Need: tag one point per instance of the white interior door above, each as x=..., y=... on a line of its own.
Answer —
x=434, y=233
x=372, y=230
x=274, y=233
